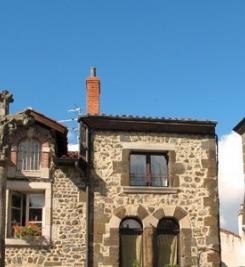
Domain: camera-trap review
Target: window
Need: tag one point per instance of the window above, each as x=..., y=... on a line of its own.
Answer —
x=167, y=242
x=130, y=242
x=148, y=169
x=26, y=208
x=29, y=155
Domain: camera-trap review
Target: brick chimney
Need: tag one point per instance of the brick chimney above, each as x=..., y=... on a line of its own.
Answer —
x=93, y=93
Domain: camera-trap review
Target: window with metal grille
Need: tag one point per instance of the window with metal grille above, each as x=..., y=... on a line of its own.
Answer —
x=29, y=155
x=148, y=169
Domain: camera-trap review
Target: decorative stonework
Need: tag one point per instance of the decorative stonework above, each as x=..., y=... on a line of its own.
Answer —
x=47, y=151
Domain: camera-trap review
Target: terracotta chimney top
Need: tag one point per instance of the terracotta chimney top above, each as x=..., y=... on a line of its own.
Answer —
x=93, y=93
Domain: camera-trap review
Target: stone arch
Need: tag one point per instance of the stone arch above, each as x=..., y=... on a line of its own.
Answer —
x=150, y=222
x=173, y=211
x=44, y=138
x=128, y=211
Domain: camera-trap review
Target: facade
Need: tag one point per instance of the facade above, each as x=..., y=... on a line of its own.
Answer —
x=43, y=190
x=142, y=192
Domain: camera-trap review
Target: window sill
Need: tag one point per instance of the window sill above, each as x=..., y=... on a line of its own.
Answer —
x=149, y=190
x=18, y=242
x=36, y=173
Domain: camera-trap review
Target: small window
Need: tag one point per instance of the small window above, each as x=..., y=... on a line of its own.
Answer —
x=29, y=155
x=130, y=243
x=26, y=208
x=148, y=169
x=167, y=242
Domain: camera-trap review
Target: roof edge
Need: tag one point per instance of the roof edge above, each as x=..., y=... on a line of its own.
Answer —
x=43, y=119
x=146, y=119
x=148, y=124
x=240, y=127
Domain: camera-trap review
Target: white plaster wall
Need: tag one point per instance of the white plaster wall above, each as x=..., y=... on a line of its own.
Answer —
x=232, y=250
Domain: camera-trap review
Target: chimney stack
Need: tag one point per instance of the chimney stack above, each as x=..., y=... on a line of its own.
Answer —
x=93, y=93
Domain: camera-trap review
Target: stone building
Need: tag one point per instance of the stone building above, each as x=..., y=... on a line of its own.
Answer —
x=43, y=192
x=142, y=192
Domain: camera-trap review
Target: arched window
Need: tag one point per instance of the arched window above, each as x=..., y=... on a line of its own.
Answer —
x=167, y=242
x=130, y=243
x=29, y=155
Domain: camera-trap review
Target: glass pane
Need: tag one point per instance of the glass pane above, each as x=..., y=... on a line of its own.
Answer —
x=28, y=155
x=137, y=169
x=130, y=224
x=16, y=216
x=168, y=226
x=35, y=156
x=16, y=200
x=130, y=250
x=36, y=200
x=35, y=215
x=159, y=170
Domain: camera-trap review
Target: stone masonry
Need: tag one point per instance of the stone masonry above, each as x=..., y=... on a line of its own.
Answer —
x=192, y=197
x=67, y=246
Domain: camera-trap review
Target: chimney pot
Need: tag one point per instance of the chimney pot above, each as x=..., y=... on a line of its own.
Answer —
x=92, y=72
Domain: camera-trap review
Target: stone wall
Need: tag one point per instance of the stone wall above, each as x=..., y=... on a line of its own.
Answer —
x=192, y=197
x=67, y=246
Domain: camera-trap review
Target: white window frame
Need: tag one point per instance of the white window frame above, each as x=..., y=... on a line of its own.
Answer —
x=30, y=187
x=24, y=210
x=29, y=157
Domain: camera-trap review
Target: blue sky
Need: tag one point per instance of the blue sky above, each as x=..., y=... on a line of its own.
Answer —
x=162, y=58
x=156, y=58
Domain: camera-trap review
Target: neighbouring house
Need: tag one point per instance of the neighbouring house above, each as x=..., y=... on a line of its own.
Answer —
x=141, y=192
x=233, y=245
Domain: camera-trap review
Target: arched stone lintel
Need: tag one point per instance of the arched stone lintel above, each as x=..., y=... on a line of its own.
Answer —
x=149, y=220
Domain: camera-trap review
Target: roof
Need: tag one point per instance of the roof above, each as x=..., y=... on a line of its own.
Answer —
x=148, y=124
x=240, y=127
x=58, y=128
x=225, y=231
x=43, y=119
x=71, y=155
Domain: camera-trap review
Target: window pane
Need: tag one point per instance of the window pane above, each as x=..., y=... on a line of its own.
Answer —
x=130, y=224
x=29, y=155
x=159, y=171
x=35, y=215
x=168, y=226
x=36, y=200
x=35, y=156
x=16, y=200
x=137, y=169
x=16, y=216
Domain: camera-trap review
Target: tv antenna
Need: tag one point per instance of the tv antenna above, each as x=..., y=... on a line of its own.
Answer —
x=73, y=125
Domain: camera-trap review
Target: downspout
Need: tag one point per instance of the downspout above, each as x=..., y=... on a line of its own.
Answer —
x=217, y=173
x=88, y=161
